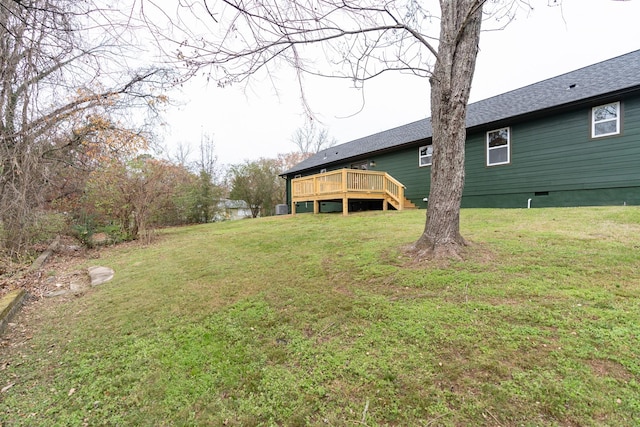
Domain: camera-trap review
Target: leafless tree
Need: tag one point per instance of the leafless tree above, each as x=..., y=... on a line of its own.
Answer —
x=208, y=161
x=63, y=63
x=309, y=139
x=358, y=40
x=181, y=154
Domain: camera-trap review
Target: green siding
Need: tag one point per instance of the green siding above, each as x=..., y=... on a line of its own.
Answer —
x=556, y=155
x=403, y=166
x=563, y=198
x=554, y=162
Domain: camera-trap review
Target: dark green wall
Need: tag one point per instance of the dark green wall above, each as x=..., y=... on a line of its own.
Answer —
x=403, y=166
x=554, y=162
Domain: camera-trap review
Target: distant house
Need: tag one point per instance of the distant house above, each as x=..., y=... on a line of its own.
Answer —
x=572, y=140
x=232, y=209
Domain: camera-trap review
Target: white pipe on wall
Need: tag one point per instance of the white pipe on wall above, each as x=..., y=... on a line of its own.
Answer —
x=529, y=203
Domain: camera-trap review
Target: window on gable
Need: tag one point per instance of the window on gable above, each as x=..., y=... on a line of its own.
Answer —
x=425, y=155
x=605, y=120
x=498, y=147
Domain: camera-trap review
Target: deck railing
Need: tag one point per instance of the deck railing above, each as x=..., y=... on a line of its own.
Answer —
x=348, y=183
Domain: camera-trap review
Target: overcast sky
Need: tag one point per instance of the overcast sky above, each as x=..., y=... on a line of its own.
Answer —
x=544, y=43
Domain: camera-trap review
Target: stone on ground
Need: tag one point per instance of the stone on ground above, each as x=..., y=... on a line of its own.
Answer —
x=100, y=275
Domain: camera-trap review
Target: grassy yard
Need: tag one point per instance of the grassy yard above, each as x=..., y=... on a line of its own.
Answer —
x=321, y=320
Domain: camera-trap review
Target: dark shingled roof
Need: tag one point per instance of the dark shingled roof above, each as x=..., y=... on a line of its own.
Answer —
x=611, y=76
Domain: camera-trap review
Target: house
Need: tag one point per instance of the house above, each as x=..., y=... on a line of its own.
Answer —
x=571, y=140
x=232, y=209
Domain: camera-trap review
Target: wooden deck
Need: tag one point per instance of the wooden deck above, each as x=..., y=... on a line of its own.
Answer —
x=348, y=184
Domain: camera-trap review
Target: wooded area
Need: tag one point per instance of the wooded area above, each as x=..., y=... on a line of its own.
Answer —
x=79, y=112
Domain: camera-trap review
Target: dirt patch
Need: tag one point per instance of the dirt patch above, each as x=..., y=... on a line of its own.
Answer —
x=63, y=268
x=472, y=252
x=609, y=368
x=60, y=269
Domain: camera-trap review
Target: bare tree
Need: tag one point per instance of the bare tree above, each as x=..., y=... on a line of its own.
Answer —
x=309, y=139
x=181, y=154
x=450, y=88
x=208, y=161
x=360, y=39
x=62, y=64
x=288, y=160
x=207, y=168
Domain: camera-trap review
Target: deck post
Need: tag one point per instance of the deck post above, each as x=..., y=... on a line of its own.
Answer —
x=316, y=207
x=293, y=208
x=345, y=190
x=344, y=180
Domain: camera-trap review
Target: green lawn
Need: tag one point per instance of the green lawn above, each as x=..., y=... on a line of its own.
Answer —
x=321, y=320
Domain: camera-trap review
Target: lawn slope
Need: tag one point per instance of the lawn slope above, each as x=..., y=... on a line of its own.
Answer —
x=321, y=320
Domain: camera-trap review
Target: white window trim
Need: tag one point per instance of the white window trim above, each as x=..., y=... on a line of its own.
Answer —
x=420, y=156
x=496, y=148
x=594, y=122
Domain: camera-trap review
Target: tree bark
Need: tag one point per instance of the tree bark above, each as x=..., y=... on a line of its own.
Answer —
x=450, y=87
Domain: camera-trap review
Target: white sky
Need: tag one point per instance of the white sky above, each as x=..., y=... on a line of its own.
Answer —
x=549, y=41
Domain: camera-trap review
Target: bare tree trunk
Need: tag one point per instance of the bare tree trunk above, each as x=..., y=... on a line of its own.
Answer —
x=450, y=87
x=19, y=198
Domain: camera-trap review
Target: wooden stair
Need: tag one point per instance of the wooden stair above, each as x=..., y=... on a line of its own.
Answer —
x=408, y=204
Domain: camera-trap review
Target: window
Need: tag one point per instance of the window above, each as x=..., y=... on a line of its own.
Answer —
x=498, y=147
x=605, y=120
x=360, y=165
x=425, y=155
